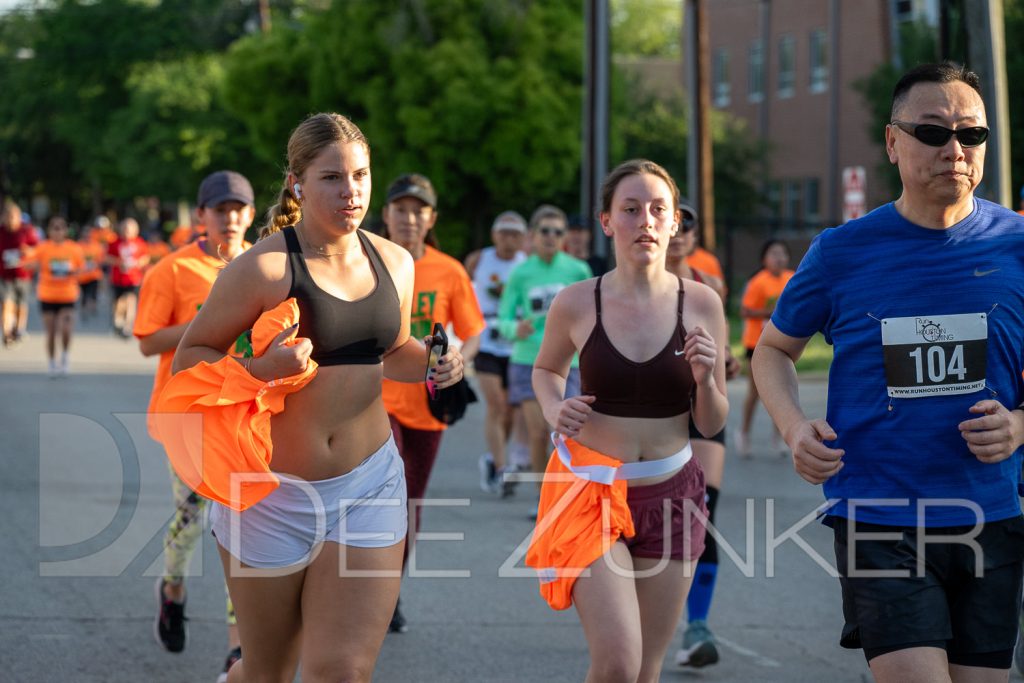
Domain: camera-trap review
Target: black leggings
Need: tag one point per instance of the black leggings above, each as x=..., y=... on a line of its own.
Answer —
x=710, y=554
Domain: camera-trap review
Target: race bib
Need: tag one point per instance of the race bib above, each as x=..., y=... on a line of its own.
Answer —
x=12, y=258
x=937, y=355
x=60, y=267
x=541, y=296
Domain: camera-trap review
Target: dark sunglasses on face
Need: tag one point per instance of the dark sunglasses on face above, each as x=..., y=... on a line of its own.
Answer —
x=556, y=232
x=937, y=136
x=688, y=224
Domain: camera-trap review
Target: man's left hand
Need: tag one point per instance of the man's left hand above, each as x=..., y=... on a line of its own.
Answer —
x=995, y=435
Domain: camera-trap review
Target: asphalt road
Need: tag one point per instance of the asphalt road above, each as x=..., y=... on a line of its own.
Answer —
x=85, y=499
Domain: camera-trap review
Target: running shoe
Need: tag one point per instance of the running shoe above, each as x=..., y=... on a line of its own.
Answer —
x=508, y=484
x=171, y=626
x=398, y=623
x=1018, y=649
x=699, y=647
x=488, y=473
x=233, y=657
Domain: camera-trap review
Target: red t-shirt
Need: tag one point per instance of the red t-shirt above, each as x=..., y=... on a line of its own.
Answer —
x=131, y=255
x=15, y=251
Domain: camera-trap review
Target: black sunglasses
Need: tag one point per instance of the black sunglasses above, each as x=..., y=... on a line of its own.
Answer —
x=545, y=230
x=937, y=136
x=688, y=224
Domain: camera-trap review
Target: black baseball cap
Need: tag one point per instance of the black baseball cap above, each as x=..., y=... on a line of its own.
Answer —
x=225, y=186
x=412, y=185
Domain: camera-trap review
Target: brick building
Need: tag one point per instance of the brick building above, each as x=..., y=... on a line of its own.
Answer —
x=787, y=67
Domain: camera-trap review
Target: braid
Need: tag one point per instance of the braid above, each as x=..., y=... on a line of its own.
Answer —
x=286, y=212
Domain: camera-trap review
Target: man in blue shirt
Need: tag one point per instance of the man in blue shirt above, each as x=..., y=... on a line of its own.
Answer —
x=919, y=455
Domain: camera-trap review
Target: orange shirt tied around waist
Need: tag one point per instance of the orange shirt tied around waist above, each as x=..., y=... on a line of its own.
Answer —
x=577, y=522
x=214, y=419
x=584, y=508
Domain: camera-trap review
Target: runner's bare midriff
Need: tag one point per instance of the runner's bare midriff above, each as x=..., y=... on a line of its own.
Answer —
x=634, y=439
x=332, y=425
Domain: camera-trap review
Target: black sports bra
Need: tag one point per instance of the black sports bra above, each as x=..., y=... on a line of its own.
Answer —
x=345, y=332
x=659, y=387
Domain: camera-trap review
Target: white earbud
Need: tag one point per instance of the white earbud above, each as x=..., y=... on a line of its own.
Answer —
x=297, y=189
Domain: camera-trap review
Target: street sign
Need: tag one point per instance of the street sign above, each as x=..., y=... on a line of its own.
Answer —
x=854, y=197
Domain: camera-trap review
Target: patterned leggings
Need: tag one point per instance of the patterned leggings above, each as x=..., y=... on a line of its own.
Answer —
x=184, y=533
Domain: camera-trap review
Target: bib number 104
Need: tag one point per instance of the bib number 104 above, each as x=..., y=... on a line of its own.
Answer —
x=934, y=362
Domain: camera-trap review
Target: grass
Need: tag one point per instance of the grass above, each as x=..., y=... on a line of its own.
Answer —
x=816, y=358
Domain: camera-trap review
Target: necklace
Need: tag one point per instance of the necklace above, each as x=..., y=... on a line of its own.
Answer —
x=322, y=251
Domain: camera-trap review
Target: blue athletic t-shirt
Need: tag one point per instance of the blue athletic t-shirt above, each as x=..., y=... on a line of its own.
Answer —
x=924, y=324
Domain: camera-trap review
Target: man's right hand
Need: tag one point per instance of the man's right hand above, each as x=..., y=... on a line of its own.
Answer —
x=812, y=459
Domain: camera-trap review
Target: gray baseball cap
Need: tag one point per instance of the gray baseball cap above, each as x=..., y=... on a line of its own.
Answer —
x=225, y=186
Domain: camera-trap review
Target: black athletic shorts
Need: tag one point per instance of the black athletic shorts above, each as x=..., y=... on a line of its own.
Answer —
x=121, y=290
x=947, y=606
x=489, y=364
x=695, y=433
x=50, y=307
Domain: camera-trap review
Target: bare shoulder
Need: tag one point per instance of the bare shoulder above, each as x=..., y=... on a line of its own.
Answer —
x=396, y=259
x=264, y=262
x=702, y=298
x=575, y=301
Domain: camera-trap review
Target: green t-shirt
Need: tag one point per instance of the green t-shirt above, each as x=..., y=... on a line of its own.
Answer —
x=531, y=287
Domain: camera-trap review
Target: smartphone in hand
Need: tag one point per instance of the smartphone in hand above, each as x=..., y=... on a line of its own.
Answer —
x=436, y=347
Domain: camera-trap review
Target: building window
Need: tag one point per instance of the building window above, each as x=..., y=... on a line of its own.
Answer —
x=756, y=71
x=904, y=10
x=819, y=60
x=720, y=77
x=787, y=65
x=772, y=198
x=791, y=202
x=812, y=205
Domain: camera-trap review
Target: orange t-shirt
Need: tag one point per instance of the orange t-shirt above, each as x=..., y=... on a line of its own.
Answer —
x=59, y=264
x=157, y=250
x=706, y=262
x=181, y=236
x=94, y=253
x=762, y=291
x=171, y=294
x=443, y=293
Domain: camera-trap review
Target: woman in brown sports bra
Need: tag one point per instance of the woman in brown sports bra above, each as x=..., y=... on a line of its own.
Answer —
x=313, y=569
x=652, y=351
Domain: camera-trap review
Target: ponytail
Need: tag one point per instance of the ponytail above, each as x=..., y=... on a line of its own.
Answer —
x=286, y=212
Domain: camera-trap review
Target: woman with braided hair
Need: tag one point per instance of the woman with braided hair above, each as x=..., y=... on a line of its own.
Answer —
x=313, y=568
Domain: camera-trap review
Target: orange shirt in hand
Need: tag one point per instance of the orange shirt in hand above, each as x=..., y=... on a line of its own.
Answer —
x=762, y=291
x=59, y=264
x=444, y=294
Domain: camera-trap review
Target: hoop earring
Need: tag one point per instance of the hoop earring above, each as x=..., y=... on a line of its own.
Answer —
x=220, y=256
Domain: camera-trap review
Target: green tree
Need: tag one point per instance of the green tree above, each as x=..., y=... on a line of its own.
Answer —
x=482, y=97
x=174, y=129
x=648, y=28
x=655, y=126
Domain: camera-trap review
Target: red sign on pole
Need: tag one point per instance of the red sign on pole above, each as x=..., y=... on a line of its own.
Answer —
x=854, y=197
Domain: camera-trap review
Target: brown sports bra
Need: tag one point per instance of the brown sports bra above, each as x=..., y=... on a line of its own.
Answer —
x=659, y=387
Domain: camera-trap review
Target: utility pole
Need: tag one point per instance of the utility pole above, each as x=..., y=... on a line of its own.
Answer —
x=700, y=184
x=595, y=117
x=265, y=16
x=986, y=49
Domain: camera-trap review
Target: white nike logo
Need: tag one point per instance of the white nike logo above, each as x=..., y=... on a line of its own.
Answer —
x=982, y=273
x=679, y=353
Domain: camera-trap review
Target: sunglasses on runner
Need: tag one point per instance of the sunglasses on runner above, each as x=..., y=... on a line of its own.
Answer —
x=546, y=230
x=937, y=136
